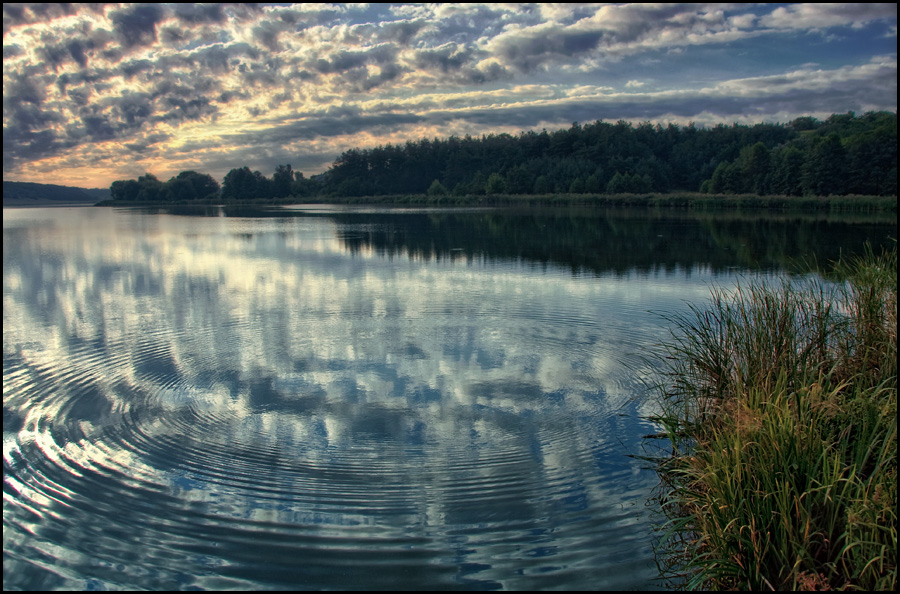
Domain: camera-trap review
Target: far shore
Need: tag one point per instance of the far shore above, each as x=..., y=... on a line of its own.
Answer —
x=693, y=201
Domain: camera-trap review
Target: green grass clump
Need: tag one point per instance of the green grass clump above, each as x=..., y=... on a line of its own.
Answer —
x=780, y=403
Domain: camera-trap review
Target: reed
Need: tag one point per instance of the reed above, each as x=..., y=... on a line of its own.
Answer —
x=780, y=404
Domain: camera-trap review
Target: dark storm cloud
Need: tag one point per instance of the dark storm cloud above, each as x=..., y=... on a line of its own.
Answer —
x=76, y=49
x=174, y=36
x=98, y=127
x=336, y=122
x=260, y=75
x=199, y=13
x=280, y=20
x=53, y=55
x=467, y=23
x=136, y=26
x=132, y=68
x=402, y=32
x=180, y=109
x=216, y=58
x=22, y=88
x=27, y=135
x=267, y=34
x=144, y=143
x=450, y=57
x=29, y=145
x=351, y=66
x=78, y=96
x=455, y=63
x=529, y=52
x=11, y=51
x=147, y=76
x=23, y=13
x=613, y=29
x=347, y=60
x=56, y=50
x=133, y=108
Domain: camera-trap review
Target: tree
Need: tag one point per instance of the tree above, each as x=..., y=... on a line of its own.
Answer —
x=125, y=190
x=282, y=180
x=824, y=169
x=518, y=181
x=495, y=184
x=755, y=164
x=542, y=185
x=151, y=188
x=262, y=185
x=787, y=167
x=179, y=189
x=437, y=189
x=627, y=183
x=577, y=186
x=238, y=184
x=725, y=179
x=592, y=184
x=203, y=186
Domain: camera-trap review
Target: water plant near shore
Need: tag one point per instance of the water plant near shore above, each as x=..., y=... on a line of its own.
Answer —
x=780, y=404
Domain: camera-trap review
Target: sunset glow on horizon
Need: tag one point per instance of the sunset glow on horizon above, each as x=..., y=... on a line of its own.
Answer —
x=95, y=93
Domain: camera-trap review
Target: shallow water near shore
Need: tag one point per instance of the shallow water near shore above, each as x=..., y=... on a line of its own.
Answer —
x=338, y=397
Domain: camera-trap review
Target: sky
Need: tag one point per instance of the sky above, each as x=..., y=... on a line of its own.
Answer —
x=93, y=93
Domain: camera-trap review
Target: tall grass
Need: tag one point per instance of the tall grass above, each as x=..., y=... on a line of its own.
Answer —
x=780, y=403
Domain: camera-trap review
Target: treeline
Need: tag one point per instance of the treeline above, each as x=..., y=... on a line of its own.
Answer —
x=187, y=186
x=27, y=193
x=845, y=154
x=239, y=185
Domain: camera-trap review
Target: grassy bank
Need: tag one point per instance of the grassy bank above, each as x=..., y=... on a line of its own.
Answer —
x=684, y=200
x=780, y=403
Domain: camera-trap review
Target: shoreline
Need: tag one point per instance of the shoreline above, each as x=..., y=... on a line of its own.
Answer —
x=779, y=402
x=685, y=200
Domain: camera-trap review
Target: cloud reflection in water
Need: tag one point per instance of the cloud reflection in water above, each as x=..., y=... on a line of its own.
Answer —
x=243, y=402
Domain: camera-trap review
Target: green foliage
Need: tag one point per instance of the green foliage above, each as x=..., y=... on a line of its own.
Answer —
x=282, y=180
x=437, y=189
x=845, y=155
x=824, y=169
x=187, y=186
x=628, y=184
x=577, y=186
x=542, y=185
x=518, y=180
x=126, y=190
x=15, y=193
x=781, y=407
x=495, y=184
x=787, y=166
x=242, y=184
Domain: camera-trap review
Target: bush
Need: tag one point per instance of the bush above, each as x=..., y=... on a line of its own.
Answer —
x=780, y=404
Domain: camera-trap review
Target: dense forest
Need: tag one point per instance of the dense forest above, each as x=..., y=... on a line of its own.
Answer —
x=31, y=194
x=845, y=154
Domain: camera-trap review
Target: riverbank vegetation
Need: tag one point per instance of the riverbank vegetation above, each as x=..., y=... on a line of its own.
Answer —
x=845, y=155
x=780, y=404
x=694, y=201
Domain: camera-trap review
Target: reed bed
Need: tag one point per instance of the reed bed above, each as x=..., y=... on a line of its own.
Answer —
x=780, y=405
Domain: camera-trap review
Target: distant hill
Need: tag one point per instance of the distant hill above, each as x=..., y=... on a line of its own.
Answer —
x=30, y=194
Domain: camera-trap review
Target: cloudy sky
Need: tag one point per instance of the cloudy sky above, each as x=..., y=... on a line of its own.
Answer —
x=94, y=93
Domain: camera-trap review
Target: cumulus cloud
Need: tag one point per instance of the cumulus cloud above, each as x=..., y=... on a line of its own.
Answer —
x=817, y=16
x=141, y=82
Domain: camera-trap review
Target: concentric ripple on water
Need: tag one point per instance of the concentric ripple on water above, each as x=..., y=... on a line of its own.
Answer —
x=241, y=403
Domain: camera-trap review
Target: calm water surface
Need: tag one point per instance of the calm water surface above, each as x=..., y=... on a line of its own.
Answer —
x=344, y=398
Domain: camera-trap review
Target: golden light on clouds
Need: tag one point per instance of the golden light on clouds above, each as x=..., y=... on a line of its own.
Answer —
x=98, y=93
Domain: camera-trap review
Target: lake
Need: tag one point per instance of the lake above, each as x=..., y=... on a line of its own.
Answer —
x=329, y=397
